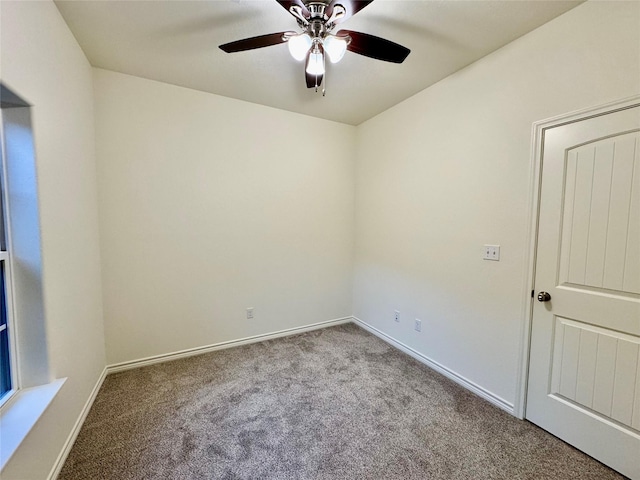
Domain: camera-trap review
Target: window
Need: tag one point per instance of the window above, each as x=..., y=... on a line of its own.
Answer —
x=5, y=357
x=6, y=373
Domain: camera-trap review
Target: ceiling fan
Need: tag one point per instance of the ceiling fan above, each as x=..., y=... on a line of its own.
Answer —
x=317, y=19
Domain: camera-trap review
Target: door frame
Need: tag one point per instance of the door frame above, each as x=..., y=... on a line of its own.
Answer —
x=535, y=183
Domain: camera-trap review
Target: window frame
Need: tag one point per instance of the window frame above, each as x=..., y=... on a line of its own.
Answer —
x=34, y=387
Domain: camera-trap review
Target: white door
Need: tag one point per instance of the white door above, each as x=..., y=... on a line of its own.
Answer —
x=584, y=364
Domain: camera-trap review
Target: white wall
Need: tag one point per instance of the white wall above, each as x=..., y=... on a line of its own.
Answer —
x=42, y=63
x=210, y=205
x=447, y=171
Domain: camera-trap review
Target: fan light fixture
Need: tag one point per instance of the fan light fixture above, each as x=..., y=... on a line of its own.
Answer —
x=315, y=65
x=299, y=45
x=335, y=47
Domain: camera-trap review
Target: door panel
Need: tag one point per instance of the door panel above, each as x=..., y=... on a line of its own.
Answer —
x=601, y=215
x=596, y=368
x=584, y=366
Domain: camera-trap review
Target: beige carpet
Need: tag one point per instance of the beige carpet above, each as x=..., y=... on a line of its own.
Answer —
x=336, y=403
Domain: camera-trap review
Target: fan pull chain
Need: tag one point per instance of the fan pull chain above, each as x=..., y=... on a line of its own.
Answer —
x=324, y=67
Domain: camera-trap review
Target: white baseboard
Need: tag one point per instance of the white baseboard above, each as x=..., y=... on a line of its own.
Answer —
x=57, y=466
x=459, y=379
x=119, y=367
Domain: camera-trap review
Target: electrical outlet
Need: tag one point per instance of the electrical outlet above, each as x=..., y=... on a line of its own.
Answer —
x=418, y=326
x=250, y=313
x=396, y=315
x=491, y=252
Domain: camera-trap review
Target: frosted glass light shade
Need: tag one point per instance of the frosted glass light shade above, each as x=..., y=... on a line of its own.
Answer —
x=335, y=47
x=299, y=45
x=315, y=66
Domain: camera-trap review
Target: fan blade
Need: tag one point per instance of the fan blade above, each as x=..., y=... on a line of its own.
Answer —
x=256, y=42
x=351, y=6
x=287, y=4
x=375, y=47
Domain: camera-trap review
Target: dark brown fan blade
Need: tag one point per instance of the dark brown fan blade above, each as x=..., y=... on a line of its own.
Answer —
x=287, y=4
x=351, y=6
x=375, y=47
x=255, y=42
x=312, y=80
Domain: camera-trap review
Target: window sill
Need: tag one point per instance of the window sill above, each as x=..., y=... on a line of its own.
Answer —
x=21, y=413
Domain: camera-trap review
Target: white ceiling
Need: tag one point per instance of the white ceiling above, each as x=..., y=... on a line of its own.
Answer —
x=177, y=42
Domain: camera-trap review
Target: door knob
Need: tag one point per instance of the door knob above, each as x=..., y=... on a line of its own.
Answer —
x=544, y=297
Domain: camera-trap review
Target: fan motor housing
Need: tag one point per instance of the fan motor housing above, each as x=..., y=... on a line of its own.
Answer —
x=317, y=10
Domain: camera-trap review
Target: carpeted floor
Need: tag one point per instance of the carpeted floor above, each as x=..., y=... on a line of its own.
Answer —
x=336, y=403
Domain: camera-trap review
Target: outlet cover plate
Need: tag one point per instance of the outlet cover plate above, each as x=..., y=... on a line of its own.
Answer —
x=491, y=252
